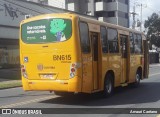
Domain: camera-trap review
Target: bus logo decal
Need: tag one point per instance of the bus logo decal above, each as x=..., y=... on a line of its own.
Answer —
x=40, y=67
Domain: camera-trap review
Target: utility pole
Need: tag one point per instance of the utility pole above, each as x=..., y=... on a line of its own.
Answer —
x=117, y=12
x=134, y=16
x=140, y=25
x=141, y=5
x=141, y=19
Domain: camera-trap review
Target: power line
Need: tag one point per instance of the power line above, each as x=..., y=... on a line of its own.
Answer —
x=148, y=7
x=141, y=5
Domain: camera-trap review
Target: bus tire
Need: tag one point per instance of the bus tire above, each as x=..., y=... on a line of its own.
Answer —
x=137, y=79
x=108, y=86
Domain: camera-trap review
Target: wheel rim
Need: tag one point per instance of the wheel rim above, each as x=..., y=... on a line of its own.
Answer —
x=137, y=78
x=109, y=86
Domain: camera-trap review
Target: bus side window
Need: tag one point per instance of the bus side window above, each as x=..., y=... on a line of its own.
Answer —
x=131, y=43
x=113, y=40
x=84, y=35
x=138, y=44
x=104, y=40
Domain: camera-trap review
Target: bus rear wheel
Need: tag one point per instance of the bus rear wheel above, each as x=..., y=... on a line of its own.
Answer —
x=137, y=79
x=108, y=86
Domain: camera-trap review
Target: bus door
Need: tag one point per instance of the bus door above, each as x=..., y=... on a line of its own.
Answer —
x=125, y=60
x=146, y=59
x=95, y=53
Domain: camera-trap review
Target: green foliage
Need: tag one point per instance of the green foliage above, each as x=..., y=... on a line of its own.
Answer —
x=153, y=27
x=10, y=84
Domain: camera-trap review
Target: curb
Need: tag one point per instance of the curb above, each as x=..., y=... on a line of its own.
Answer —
x=154, y=65
x=10, y=87
x=10, y=84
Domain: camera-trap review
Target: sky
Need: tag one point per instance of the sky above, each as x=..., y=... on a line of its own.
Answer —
x=149, y=7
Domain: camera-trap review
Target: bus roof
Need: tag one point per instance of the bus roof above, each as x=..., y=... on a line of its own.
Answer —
x=87, y=19
x=109, y=24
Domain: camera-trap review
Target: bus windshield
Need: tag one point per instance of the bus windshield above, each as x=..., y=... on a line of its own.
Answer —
x=46, y=31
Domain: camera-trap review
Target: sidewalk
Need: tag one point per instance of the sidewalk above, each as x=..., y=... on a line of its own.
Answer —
x=154, y=65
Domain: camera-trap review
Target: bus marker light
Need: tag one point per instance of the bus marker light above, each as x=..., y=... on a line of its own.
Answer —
x=73, y=70
x=24, y=72
x=22, y=66
x=72, y=75
x=73, y=65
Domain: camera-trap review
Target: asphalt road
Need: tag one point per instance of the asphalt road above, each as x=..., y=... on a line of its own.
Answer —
x=145, y=96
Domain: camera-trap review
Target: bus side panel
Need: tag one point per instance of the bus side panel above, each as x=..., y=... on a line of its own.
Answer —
x=87, y=74
x=115, y=65
x=139, y=63
x=105, y=68
x=77, y=83
x=146, y=59
x=132, y=68
x=136, y=62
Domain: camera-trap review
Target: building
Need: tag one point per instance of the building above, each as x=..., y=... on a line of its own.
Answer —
x=56, y=3
x=112, y=11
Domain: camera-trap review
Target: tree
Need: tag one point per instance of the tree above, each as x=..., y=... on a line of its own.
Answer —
x=153, y=27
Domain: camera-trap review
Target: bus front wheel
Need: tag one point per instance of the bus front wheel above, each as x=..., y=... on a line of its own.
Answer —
x=108, y=86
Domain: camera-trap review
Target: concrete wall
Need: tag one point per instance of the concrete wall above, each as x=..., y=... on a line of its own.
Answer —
x=123, y=22
x=91, y=7
x=82, y=6
x=116, y=7
x=122, y=7
x=57, y=3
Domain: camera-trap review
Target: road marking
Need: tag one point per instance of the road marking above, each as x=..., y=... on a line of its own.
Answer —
x=28, y=102
x=154, y=74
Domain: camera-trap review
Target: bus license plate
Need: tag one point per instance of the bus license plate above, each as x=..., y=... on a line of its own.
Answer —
x=46, y=76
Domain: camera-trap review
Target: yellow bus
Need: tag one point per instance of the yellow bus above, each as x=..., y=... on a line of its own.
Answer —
x=70, y=53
